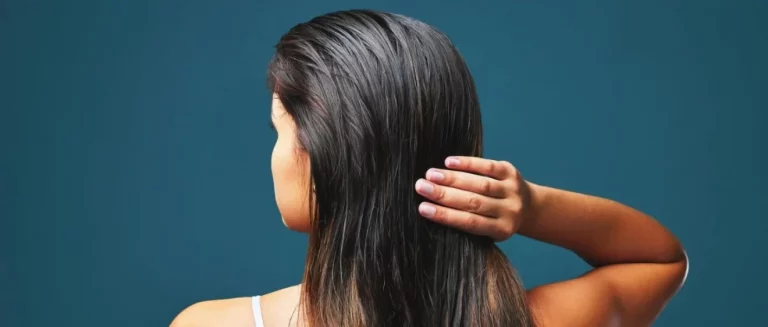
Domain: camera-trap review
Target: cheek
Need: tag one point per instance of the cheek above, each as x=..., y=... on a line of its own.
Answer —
x=290, y=176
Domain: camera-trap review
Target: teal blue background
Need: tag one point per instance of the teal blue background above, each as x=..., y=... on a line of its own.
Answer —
x=134, y=162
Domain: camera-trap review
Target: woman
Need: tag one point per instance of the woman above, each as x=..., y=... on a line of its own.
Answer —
x=367, y=107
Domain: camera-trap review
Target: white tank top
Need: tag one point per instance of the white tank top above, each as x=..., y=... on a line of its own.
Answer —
x=256, y=305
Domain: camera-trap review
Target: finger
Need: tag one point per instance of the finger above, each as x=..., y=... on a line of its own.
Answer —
x=461, y=220
x=458, y=199
x=468, y=182
x=486, y=167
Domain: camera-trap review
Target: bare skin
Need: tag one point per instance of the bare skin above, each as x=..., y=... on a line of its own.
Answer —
x=638, y=265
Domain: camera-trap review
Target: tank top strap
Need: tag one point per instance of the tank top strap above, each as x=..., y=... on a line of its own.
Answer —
x=256, y=306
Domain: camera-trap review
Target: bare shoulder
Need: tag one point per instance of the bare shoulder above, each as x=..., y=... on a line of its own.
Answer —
x=280, y=308
x=573, y=303
x=276, y=308
x=235, y=312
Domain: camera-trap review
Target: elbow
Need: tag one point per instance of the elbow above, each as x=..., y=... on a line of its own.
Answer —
x=683, y=268
x=678, y=262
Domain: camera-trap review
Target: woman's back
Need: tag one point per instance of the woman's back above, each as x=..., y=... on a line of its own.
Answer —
x=567, y=304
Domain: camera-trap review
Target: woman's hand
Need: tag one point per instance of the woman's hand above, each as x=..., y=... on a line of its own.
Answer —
x=490, y=198
x=479, y=196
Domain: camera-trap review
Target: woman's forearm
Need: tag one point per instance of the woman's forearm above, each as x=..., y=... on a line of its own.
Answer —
x=600, y=231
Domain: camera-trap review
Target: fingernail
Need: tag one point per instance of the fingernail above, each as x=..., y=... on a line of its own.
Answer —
x=427, y=210
x=435, y=175
x=451, y=162
x=424, y=187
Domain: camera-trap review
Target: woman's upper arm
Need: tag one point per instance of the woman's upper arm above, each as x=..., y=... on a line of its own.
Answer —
x=617, y=295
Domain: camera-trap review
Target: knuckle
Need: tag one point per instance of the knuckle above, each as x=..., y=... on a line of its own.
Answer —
x=449, y=178
x=439, y=214
x=474, y=203
x=509, y=168
x=501, y=190
x=471, y=222
x=492, y=167
x=506, y=229
x=486, y=186
x=439, y=193
x=514, y=172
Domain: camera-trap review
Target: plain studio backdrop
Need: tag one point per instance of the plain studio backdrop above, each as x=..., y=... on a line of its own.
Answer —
x=134, y=147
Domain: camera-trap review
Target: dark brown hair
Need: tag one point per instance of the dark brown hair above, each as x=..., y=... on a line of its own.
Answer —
x=378, y=99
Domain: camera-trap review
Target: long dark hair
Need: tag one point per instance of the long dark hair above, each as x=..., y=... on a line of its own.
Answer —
x=378, y=99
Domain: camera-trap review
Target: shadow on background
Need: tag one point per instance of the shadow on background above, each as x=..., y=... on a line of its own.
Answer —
x=134, y=177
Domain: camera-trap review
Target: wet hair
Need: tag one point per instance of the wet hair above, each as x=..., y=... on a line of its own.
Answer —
x=378, y=99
